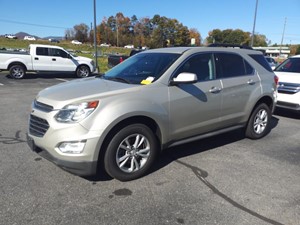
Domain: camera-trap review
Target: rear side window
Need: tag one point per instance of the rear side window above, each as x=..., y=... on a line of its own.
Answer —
x=231, y=65
x=262, y=61
x=42, y=51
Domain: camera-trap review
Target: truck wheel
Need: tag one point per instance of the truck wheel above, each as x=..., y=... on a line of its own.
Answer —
x=17, y=72
x=259, y=122
x=131, y=152
x=83, y=71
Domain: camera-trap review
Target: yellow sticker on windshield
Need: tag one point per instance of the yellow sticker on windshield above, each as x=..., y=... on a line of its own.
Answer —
x=148, y=80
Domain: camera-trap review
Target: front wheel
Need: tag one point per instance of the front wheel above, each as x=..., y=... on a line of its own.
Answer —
x=131, y=152
x=17, y=72
x=83, y=71
x=259, y=122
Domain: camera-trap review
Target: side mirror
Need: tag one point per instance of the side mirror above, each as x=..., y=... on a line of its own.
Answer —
x=184, y=78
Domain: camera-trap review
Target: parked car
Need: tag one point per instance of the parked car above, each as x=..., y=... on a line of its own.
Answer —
x=153, y=100
x=105, y=45
x=115, y=59
x=10, y=36
x=29, y=38
x=271, y=62
x=288, y=73
x=45, y=58
x=53, y=40
x=129, y=46
x=75, y=42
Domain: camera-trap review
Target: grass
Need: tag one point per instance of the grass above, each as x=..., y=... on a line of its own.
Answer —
x=86, y=49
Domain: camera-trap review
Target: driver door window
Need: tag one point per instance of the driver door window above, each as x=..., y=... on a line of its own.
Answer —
x=201, y=65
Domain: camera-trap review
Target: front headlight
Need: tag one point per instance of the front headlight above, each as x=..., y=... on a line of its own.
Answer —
x=76, y=112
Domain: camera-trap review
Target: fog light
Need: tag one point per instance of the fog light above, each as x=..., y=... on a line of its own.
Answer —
x=74, y=147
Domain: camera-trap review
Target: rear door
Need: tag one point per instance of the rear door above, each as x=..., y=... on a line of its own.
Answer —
x=41, y=60
x=240, y=83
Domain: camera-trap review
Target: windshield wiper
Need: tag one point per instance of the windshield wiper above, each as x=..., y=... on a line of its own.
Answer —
x=118, y=79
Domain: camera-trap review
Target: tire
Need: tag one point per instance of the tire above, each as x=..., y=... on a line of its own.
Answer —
x=17, y=72
x=131, y=152
x=83, y=71
x=259, y=122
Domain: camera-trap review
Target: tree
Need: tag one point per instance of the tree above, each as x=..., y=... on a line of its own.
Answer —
x=237, y=37
x=69, y=34
x=215, y=36
x=196, y=35
x=297, y=51
x=81, y=32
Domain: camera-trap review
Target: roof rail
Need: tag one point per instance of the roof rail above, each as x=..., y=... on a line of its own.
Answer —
x=229, y=46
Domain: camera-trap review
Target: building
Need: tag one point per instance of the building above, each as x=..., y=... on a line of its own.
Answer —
x=275, y=51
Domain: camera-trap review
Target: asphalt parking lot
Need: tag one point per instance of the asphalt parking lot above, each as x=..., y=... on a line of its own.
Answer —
x=227, y=179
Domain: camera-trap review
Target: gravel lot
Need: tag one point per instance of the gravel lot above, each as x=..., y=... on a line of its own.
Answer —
x=226, y=179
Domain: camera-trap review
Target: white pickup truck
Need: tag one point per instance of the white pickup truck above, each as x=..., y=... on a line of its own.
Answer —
x=45, y=58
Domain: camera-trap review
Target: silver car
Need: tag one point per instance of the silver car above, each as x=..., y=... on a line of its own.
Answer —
x=155, y=99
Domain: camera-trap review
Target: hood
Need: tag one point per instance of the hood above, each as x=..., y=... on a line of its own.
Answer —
x=81, y=58
x=78, y=90
x=288, y=77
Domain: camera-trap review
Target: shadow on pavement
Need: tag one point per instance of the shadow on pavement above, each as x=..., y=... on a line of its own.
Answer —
x=287, y=113
x=172, y=154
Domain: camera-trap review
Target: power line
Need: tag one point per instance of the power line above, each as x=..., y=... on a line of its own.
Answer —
x=32, y=24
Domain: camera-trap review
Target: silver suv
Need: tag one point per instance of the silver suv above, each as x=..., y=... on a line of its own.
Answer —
x=153, y=100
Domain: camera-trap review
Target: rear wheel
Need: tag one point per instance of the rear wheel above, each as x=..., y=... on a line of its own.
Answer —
x=131, y=152
x=259, y=122
x=17, y=72
x=83, y=71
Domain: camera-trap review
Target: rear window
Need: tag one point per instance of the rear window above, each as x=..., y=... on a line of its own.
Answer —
x=262, y=61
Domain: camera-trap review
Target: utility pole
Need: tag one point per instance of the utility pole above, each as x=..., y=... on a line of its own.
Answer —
x=253, y=31
x=117, y=30
x=282, y=36
x=95, y=41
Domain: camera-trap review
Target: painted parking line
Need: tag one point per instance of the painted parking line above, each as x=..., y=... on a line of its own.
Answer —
x=1, y=84
x=61, y=79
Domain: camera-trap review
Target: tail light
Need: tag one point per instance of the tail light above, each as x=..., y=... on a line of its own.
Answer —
x=121, y=59
x=276, y=80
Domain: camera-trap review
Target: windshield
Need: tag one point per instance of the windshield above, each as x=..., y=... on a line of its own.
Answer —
x=143, y=68
x=290, y=65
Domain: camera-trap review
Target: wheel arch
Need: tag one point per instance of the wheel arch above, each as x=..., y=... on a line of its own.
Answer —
x=16, y=63
x=149, y=122
x=267, y=100
x=83, y=64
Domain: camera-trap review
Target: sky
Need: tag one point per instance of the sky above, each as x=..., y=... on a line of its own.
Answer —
x=278, y=20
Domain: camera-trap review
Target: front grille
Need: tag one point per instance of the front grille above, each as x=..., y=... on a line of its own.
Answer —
x=37, y=126
x=42, y=107
x=288, y=88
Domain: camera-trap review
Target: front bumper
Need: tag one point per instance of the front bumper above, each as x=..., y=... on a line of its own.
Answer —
x=289, y=101
x=80, y=168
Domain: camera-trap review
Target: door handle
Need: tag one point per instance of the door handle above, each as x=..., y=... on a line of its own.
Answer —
x=215, y=90
x=53, y=59
x=250, y=82
x=36, y=58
